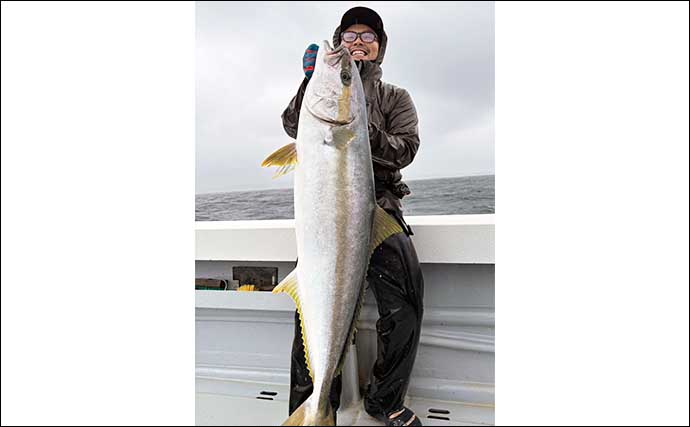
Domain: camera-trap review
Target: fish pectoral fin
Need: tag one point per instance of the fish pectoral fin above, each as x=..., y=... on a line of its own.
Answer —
x=289, y=285
x=339, y=137
x=285, y=157
x=384, y=227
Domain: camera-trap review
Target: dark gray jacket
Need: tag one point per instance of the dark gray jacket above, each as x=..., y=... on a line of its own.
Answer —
x=393, y=131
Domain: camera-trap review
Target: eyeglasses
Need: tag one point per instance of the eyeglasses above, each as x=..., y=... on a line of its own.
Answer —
x=351, y=36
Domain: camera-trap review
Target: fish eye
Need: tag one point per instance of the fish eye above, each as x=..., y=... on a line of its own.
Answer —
x=346, y=78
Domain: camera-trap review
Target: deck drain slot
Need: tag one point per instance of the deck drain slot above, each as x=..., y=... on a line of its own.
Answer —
x=439, y=411
x=438, y=418
x=269, y=393
x=264, y=398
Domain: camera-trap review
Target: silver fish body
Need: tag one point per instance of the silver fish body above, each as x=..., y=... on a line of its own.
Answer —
x=337, y=221
x=334, y=213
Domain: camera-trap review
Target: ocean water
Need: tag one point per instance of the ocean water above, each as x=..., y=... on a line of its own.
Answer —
x=442, y=196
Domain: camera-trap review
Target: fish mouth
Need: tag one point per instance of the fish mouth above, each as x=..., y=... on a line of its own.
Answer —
x=333, y=56
x=340, y=55
x=330, y=50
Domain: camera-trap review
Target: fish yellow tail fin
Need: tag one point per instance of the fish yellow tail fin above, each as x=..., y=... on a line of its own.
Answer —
x=311, y=414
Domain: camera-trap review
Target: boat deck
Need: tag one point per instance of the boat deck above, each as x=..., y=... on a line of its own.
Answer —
x=244, y=339
x=263, y=409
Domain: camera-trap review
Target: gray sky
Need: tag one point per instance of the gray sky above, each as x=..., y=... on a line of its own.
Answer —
x=249, y=66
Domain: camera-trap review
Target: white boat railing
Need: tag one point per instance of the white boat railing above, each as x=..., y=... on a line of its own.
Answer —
x=456, y=239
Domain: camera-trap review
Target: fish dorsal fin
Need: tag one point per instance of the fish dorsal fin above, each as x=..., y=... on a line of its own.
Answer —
x=285, y=157
x=384, y=227
x=289, y=285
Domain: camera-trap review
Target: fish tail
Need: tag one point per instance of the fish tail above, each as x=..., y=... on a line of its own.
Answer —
x=312, y=414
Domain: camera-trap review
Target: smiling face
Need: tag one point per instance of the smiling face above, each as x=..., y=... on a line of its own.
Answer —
x=360, y=50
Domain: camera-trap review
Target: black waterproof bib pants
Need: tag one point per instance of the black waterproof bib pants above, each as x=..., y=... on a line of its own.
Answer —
x=396, y=281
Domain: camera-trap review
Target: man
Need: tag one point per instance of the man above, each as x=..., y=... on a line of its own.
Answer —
x=394, y=274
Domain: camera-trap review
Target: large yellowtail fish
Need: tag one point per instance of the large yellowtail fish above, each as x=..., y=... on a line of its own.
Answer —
x=337, y=221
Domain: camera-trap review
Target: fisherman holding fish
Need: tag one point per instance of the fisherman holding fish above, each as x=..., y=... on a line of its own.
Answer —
x=394, y=274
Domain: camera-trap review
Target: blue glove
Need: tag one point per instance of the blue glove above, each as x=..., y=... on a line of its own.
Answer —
x=309, y=60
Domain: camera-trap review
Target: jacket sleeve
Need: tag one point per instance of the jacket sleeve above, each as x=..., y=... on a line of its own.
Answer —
x=291, y=114
x=396, y=146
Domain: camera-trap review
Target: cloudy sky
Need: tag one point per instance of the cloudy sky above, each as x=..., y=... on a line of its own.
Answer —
x=249, y=66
